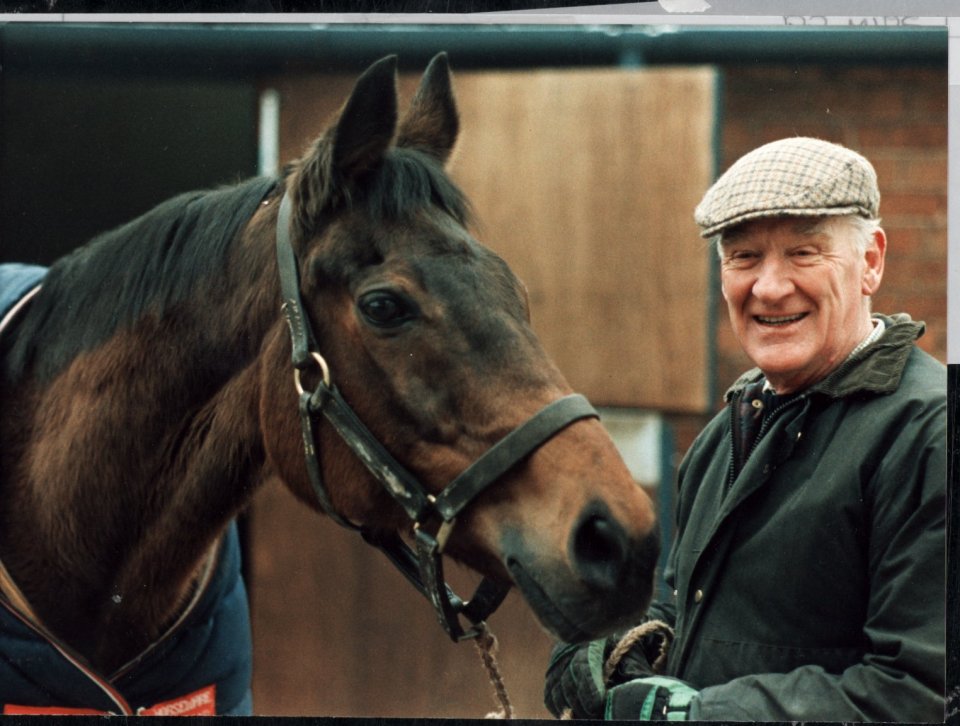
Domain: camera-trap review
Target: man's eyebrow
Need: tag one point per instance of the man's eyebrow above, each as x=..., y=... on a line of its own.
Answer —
x=732, y=234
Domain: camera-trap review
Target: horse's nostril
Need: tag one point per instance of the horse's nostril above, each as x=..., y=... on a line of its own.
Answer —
x=599, y=547
x=597, y=540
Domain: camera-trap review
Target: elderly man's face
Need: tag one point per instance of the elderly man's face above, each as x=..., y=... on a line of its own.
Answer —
x=797, y=293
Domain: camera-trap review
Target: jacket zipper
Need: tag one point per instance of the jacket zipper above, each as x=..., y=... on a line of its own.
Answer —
x=736, y=443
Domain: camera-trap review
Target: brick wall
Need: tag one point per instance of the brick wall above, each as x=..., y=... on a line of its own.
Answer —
x=897, y=118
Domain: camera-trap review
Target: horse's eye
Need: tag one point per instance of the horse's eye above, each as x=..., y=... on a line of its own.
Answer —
x=386, y=309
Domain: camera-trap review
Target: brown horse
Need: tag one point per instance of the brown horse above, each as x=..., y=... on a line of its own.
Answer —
x=148, y=391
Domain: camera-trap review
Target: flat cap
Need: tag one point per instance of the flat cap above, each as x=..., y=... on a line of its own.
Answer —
x=799, y=177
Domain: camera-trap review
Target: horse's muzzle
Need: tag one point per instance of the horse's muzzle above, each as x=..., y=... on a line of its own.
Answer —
x=604, y=582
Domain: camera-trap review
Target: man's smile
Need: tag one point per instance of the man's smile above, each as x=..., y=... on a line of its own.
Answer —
x=779, y=319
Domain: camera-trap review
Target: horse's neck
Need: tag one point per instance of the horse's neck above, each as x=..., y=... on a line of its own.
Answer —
x=141, y=451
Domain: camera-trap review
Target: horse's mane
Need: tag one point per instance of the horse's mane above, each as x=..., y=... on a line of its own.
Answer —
x=159, y=258
x=150, y=263
x=409, y=179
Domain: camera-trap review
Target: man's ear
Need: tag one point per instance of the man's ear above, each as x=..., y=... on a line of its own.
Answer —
x=874, y=257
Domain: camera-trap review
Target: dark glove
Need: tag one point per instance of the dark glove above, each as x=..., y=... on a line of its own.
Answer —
x=656, y=698
x=574, y=677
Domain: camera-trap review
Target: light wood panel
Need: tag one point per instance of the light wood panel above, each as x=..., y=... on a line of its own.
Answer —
x=586, y=181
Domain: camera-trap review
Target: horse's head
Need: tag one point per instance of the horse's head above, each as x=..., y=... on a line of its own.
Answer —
x=427, y=336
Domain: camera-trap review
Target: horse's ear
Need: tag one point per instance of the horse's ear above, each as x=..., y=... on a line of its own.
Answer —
x=431, y=123
x=355, y=143
x=367, y=122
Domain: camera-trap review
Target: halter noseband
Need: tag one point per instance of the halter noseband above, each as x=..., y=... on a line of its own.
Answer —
x=424, y=569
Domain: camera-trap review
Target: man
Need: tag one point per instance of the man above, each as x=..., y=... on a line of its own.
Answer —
x=808, y=568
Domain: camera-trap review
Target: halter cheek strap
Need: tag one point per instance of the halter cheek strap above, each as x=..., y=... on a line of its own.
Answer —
x=423, y=568
x=301, y=335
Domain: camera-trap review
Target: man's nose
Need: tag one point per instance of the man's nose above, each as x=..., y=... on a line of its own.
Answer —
x=773, y=280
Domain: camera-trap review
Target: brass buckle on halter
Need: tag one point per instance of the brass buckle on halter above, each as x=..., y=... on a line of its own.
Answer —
x=324, y=372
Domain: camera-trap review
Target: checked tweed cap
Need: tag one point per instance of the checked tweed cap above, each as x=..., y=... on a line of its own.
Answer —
x=798, y=176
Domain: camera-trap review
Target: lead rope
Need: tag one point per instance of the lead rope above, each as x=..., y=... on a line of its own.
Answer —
x=486, y=643
x=631, y=638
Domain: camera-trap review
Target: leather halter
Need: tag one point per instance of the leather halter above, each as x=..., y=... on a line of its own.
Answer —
x=424, y=569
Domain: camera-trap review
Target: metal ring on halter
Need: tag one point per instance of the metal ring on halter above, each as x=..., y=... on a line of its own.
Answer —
x=324, y=370
x=445, y=530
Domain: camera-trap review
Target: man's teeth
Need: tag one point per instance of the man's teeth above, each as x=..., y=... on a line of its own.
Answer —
x=778, y=320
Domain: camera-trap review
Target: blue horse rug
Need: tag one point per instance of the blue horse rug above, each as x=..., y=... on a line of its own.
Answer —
x=16, y=281
x=200, y=666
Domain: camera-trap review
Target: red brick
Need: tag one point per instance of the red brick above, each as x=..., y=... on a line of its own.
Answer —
x=914, y=134
x=928, y=100
x=899, y=203
x=905, y=171
x=903, y=241
x=819, y=128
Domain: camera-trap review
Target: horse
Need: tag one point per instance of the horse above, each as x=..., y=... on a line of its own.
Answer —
x=149, y=389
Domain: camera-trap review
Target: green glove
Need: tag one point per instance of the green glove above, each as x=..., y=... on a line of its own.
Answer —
x=657, y=698
x=574, y=679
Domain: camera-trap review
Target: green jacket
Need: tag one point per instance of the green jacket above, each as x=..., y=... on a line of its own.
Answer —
x=811, y=586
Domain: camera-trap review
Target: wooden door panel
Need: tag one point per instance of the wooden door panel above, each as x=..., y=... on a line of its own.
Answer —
x=585, y=182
